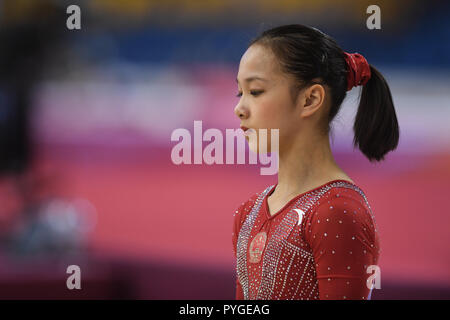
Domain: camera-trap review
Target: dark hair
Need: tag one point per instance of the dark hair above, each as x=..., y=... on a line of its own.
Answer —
x=314, y=57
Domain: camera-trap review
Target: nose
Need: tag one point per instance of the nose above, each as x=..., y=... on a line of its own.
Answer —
x=240, y=111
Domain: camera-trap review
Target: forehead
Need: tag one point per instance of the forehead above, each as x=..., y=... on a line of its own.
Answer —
x=258, y=61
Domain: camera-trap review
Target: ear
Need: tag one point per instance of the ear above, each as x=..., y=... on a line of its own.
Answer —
x=312, y=99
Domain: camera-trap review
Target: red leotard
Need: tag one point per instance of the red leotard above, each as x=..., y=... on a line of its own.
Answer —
x=325, y=256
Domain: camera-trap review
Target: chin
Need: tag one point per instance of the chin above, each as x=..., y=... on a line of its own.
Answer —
x=254, y=146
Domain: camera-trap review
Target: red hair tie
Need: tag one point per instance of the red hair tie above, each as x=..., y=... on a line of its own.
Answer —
x=359, y=70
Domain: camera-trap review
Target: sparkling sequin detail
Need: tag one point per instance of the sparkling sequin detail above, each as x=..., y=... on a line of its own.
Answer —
x=242, y=244
x=287, y=269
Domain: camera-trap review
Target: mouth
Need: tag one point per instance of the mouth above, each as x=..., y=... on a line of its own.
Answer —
x=244, y=128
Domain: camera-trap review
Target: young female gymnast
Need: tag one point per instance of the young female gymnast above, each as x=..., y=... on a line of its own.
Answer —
x=312, y=235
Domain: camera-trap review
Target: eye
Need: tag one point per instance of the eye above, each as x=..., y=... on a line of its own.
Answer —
x=256, y=93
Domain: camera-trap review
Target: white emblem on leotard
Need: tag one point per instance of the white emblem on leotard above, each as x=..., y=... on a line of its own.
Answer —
x=300, y=215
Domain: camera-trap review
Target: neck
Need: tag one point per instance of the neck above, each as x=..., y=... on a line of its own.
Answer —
x=305, y=164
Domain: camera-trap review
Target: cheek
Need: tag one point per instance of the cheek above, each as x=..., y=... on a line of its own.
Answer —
x=270, y=112
x=278, y=113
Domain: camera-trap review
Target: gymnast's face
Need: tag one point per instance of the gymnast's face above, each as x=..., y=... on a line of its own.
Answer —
x=265, y=100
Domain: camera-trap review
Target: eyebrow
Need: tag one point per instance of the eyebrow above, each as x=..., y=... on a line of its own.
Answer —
x=250, y=79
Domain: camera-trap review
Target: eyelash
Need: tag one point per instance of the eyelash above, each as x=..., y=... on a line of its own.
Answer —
x=254, y=93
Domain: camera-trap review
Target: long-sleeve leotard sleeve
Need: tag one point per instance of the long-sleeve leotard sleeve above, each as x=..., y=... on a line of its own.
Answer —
x=344, y=242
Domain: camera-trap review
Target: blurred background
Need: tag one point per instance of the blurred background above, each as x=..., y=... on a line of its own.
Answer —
x=86, y=116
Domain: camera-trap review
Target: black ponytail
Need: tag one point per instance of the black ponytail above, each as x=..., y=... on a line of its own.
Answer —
x=308, y=54
x=376, y=127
